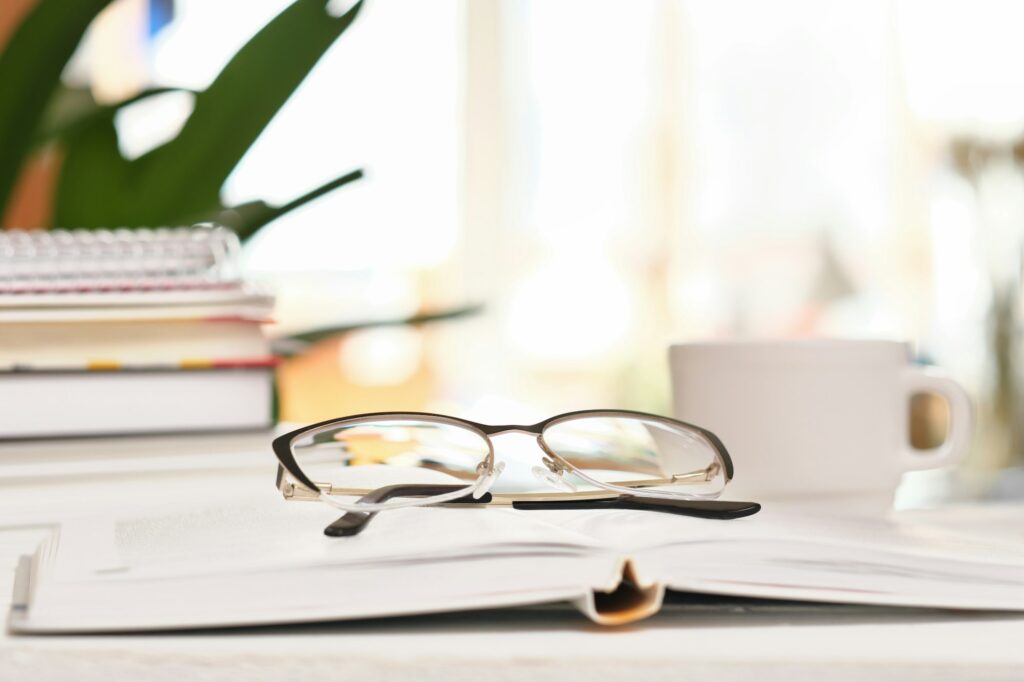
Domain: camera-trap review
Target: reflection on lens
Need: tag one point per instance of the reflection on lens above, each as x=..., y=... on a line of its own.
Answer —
x=359, y=456
x=630, y=449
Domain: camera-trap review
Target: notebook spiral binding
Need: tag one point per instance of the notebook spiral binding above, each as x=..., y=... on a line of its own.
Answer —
x=73, y=261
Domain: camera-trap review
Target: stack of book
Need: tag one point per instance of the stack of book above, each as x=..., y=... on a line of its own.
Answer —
x=130, y=332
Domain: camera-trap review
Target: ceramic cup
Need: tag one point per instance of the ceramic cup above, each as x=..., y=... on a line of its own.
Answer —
x=824, y=420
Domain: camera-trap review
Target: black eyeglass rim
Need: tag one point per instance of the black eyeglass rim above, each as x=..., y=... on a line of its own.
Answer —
x=283, y=451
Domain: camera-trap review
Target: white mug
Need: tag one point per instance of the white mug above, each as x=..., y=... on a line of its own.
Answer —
x=817, y=419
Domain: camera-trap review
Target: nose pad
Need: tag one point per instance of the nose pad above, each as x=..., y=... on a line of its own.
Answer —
x=485, y=486
x=553, y=479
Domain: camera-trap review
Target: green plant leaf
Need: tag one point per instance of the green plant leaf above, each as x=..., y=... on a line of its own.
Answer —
x=246, y=219
x=30, y=69
x=94, y=186
x=294, y=344
x=73, y=110
x=184, y=176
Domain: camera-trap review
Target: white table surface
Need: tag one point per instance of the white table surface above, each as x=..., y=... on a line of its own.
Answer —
x=721, y=643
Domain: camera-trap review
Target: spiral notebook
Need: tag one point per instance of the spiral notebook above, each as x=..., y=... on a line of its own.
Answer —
x=40, y=262
x=89, y=275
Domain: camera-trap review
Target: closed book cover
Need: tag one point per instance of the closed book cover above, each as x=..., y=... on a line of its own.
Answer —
x=64, y=345
x=65, y=403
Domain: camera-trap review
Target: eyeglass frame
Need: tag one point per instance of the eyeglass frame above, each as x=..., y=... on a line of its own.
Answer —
x=304, y=488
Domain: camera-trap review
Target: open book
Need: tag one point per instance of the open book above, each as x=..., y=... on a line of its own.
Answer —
x=260, y=561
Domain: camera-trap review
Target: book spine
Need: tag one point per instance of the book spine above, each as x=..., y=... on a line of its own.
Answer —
x=630, y=599
x=103, y=365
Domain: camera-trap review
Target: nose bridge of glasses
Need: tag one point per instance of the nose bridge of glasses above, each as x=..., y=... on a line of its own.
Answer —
x=502, y=429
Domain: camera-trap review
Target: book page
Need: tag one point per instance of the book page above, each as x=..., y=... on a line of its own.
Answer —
x=925, y=534
x=256, y=559
x=911, y=559
x=904, y=560
x=257, y=533
x=248, y=561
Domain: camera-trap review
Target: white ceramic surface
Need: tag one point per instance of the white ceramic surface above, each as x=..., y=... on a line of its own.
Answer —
x=821, y=419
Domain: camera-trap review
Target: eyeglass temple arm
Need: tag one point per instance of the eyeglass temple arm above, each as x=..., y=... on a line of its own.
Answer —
x=353, y=523
x=297, y=492
x=702, y=509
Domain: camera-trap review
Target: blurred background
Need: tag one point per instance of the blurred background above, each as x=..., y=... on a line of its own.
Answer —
x=606, y=179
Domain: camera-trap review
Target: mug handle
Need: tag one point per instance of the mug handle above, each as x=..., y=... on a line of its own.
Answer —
x=961, y=420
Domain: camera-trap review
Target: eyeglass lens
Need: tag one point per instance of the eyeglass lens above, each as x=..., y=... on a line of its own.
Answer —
x=354, y=458
x=627, y=449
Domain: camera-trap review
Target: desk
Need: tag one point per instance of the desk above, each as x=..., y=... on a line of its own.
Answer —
x=739, y=643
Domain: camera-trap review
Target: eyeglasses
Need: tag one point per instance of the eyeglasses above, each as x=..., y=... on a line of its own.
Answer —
x=591, y=459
